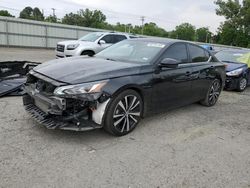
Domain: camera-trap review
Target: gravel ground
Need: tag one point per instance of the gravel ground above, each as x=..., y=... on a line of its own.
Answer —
x=193, y=146
x=26, y=54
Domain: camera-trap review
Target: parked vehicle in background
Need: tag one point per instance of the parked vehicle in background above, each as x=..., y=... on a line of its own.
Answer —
x=90, y=44
x=209, y=48
x=122, y=84
x=237, y=68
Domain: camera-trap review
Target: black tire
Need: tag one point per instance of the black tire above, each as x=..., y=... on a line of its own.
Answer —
x=213, y=93
x=242, y=85
x=88, y=53
x=123, y=113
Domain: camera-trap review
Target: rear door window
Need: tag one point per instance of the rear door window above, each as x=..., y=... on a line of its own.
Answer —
x=198, y=54
x=109, y=39
x=118, y=38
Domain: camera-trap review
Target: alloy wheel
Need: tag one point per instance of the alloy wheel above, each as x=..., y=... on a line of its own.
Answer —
x=214, y=92
x=243, y=84
x=127, y=113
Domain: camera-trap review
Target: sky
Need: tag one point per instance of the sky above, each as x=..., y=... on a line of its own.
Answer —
x=165, y=13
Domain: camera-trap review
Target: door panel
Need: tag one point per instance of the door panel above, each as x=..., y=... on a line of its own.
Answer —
x=202, y=71
x=201, y=79
x=172, y=88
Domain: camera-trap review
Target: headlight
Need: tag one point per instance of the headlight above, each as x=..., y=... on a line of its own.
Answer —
x=236, y=72
x=72, y=46
x=81, y=89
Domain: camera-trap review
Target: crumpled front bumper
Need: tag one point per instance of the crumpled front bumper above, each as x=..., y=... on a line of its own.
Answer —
x=231, y=83
x=52, y=123
x=80, y=121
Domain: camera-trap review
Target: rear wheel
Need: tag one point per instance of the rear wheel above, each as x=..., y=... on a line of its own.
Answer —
x=242, y=85
x=88, y=53
x=213, y=93
x=124, y=113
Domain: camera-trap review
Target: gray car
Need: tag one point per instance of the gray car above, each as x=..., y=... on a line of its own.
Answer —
x=90, y=44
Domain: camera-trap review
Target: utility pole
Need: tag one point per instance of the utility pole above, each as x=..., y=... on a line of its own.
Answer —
x=129, y=28
x=208, y=35
x=142, y=25
x=54, y=10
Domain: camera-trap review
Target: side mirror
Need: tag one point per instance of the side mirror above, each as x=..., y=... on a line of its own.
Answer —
x=169, y=63
x=102, y=42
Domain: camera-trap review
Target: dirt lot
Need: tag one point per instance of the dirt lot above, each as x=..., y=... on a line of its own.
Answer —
x=193, y=146
x=19, y=54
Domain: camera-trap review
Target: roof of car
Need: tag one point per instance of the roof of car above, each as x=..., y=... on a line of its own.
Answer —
x=114, y=32
x=235, y=50
x=161, y=40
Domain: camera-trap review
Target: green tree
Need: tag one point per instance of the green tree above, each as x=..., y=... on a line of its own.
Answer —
x=152, y=29
x=86, y=18
x=227, y=34
x=137, y=29
x=37, y=14
x=119, y=27
x=26, y=13
x=31, y=14
x=203, y=34
x=172, y=34
x=5, y=13
x=51, y=19
x=236, y=29
x=92, y=18
x=230, y=9
x=185, y=31
x=72, y=19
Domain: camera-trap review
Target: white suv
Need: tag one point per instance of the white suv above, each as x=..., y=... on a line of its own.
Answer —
x=90, y=44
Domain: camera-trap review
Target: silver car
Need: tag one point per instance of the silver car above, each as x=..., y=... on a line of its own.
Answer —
x=90, y=44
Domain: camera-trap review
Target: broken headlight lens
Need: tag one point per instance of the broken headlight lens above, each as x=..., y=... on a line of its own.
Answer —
x=87, y=88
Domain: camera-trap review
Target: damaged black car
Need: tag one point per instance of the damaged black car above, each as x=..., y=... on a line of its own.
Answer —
x=119, y=86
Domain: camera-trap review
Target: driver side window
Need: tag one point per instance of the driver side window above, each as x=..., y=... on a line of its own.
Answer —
x=177, y=52
x=108, y=39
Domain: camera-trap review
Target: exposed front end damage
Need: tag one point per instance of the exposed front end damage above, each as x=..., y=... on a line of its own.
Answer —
x=69, y=111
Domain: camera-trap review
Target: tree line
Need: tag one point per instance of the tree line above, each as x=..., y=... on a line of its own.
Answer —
x=234, y=31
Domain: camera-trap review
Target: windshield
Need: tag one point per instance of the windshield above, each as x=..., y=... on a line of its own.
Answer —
x=132, y=51
x=234, y=56
x=91, y=37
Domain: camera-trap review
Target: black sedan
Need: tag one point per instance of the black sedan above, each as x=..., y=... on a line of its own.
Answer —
x=122, y=84
x=237, y=69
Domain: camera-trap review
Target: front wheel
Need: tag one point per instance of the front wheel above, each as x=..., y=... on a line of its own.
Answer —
x=124, y=113
x=213, y=93
x=242, y=85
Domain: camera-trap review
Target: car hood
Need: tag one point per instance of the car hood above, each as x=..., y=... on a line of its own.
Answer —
x=230, y=66
x=85, y=69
